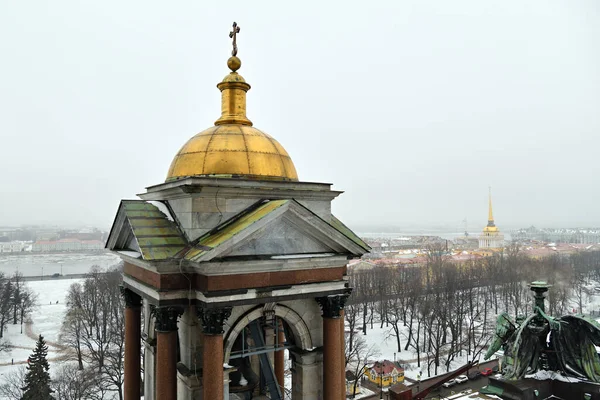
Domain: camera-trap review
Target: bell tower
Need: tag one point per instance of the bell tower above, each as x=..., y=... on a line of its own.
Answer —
x=231, y=265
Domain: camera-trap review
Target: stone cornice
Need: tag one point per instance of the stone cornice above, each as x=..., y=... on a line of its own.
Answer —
x=254, y=296
x=196, y=185
x=251, y=279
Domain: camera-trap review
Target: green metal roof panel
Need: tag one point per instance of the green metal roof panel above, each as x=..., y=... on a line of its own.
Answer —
x=150, y=222
x=161, y=241
x=158, y=237
x=144, y=214
x=229, y=230
x=133, y=205
x=337, y=224
x=159, y=253
x=156, y=231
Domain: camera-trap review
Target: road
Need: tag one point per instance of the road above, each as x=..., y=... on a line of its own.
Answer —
x=442, y=392
x=51, y=278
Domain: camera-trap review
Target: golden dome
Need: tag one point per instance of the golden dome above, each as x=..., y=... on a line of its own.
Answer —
x=490, y=229
x=233, y=148
x=233, y=151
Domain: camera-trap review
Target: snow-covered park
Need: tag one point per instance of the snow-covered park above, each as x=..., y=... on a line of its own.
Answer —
x=45, y=319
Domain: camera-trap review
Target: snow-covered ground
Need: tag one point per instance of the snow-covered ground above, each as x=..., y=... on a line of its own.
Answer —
x=384, y=341
x=46, y=320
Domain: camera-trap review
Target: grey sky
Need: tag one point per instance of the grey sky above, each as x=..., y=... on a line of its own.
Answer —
x=412, y=107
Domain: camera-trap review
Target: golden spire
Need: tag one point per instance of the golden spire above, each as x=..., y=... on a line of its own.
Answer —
x=490, y=213
x=233, y=89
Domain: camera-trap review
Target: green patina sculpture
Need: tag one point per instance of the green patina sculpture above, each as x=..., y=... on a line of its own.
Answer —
x=540, y=342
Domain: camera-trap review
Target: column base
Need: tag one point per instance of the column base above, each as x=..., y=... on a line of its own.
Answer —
x=307, y=369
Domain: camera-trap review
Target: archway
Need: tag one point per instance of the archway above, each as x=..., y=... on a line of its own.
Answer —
x=297, y=325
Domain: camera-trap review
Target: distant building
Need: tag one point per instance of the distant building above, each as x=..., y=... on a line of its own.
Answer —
x=491, y=238
x=360, y=265
x=12, y=247
x=67, y=245
x=353, y=386
x=385, y=373
x=564, y=235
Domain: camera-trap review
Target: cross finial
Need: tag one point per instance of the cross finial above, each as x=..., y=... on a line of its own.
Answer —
x=233, y=35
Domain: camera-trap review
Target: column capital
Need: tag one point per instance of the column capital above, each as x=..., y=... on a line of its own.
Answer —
x=213, y=319
x=332, y=305
x=166, y=318
x=132, y=299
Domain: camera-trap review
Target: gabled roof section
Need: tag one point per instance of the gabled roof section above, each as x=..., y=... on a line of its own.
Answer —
x=337, y=224
x=261, y=216
x=145, y=228
x=231, y=228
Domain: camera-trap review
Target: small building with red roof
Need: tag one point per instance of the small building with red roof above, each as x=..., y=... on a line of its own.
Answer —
x=385, y=373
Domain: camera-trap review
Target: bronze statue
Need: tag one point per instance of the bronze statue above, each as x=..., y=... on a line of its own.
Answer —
x=540, y=342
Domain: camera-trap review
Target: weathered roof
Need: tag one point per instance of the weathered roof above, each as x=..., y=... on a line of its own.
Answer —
x=337, y=224
x=229, y=229
x=253, y=214
x=157, y=237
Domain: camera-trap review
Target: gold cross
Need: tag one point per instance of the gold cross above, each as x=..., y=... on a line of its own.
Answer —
x=233, y=34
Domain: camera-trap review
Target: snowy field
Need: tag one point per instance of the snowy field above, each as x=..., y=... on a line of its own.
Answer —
x=45, y=319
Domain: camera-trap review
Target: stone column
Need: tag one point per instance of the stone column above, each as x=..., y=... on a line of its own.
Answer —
x=333, y=362
x=343, y=349
x=280, y=357
x=149, y=354
x=306, y=375
x=133, y=336
x=166, y=351
x=212, y=361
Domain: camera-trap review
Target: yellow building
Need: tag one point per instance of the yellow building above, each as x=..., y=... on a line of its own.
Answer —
x=385, y=373
x=491, y=238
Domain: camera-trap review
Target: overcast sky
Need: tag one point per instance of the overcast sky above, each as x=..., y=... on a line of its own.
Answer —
x=413, y=108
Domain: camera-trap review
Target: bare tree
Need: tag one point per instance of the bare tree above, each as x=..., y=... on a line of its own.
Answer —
x=351, y=315
x=94, y=326
x=72, y=327
x=6, y=295
x=12, y=388
x=27, y=303
x=361, y=356
x=71, y=383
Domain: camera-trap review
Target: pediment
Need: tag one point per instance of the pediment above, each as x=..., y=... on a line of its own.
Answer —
x=281, y=237
x=275, y=228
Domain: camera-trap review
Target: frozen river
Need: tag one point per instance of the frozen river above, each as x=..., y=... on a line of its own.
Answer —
x=48, y=264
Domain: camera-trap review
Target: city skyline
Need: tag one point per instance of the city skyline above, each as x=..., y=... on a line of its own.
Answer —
x=412, y=108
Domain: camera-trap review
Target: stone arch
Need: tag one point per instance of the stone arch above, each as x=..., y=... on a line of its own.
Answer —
x=296, y=323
